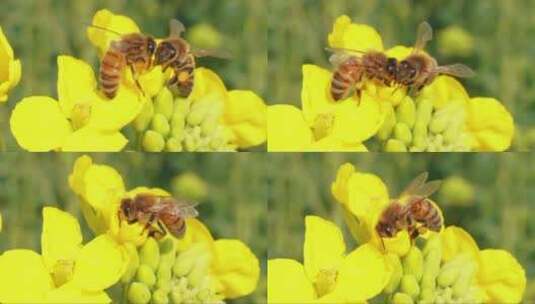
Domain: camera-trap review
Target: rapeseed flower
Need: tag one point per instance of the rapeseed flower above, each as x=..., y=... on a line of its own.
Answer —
x=328, y=274
x=10, y=68
x=66, y=271
x=80, y=120
x=441, y=118
x=211, y=118
x=196, y=268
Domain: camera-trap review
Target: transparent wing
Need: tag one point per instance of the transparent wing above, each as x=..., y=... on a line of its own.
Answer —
x=186, y=208
x=337, y=59
x=428, y=188
x=416, y=184
x=176, y=28
x=222, y=54
x=456, y=70
x=424, y=35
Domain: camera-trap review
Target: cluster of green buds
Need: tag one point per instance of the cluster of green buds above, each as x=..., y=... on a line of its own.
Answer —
x=181, y=124
x=159, y=273
x=422, y=277
x=419, y=127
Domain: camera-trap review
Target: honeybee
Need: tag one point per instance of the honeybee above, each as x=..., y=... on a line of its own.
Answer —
x=417, y=215
x=133, y=50
x=176, y=53
x=351, y=70
x=420, y=69
x=148, y=209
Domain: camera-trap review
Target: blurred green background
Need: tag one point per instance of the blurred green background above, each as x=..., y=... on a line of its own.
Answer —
x=501, y=51
x=233, y=204
x=40, y=30
x=489, y=195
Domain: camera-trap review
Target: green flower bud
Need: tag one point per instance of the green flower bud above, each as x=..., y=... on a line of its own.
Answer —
x=160, y=124
x=209, y=125
x=464, y=281
x=420, y=135
x=182, y=106
x=178, y=122
x=144, y=118
x=433, y=256
x=433, y=243
x=395, y=278
x=165, y=272
x=403, y=133
x=145, y=274
x=153, y=141
x=388, y=125
x=424, y=111
x=173, y=145
x=176, y=296
x=133, y=263
x=160, y=297
x=198, y=112
x=448, y=275
x=190, y=143
x=406, y=112
x=200, y=271
x=149, y=253
x=164, y=103
x=167, y=252
x=409, y=285
x=413, y=263
x=138, y=293
x=452, y=133
x=427, y=296
x=184, y=264
x=394, y=145
x=440, y=122
x=402, y=298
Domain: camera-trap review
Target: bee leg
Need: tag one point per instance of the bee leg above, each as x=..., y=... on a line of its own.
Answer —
x=149, y=223
x=136, y=80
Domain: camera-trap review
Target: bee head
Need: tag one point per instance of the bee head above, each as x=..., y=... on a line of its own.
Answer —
x=127, y=210
x=385, y=229
x=406, y=72
x=391, y=66
x=165, y=53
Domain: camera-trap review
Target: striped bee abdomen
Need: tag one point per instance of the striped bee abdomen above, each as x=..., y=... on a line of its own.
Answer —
x=183, y=78
x=111, y=69
x=345, y=77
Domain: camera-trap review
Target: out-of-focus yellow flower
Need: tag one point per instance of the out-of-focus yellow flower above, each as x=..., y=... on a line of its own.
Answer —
x=10, y=68
x=190, y=186
x=204, y=35
x=82, y=119
x=364, y=197
x=66, y=271
x=498, y=274
x=211, y=118
x=455, y=41
x=456, y=190
x=322, y=124
x=328, y=274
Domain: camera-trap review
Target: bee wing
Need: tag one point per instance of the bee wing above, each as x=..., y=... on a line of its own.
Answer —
x=221, y=54
x=176, y=28
x=415, y=184
x=424, y=35
x=341, y=54
x=456, y=70
x=428, y=188
x=187, y=209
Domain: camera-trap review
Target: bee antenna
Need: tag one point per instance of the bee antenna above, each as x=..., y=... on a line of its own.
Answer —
x=103, y=29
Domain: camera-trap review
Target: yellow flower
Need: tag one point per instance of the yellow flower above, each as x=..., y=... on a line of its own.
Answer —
x=328, y=274
x=210, y=118
x=101, y=189
x=455, y=41
x=363, y=197
x=10, y=68
x=66, y=271
x=322, y=124
x=498, y=274
x=82, y=120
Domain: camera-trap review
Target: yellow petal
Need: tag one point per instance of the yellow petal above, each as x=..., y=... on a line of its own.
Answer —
x=91, y=140
x=444, y=90
x=399, y=52
x=400, y=244
x=339, y=188
x=152, y=81
x=207, y=83
x=13, y=78
x=363, y=274
x=332, y=144
x=112, y=115
x=99, y=265
x=315, y=96
x=104, y=187
x=6, y=57
x=490, y=124
x=196, y=232
x=77, y=176
x=367, y=195
x=287, y=130
x=38, y=124
x=76, y=83
x=245, y=113
x=287, y=282
x=27, y=280
x=70, y=293
x=501, y=276
x=237, y=268
x=349, y=35
x=324, y=246
x=113, y=23
x=457, y=241
x=61, y=238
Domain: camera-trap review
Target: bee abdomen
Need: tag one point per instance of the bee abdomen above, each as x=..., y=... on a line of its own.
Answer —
x=110, y=72
x=184, y=77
